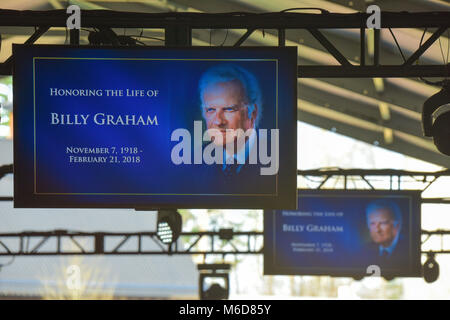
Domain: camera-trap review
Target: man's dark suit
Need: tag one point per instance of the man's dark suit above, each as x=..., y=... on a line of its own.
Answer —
x=237, y=179
x=398, y=257
x=240, y=178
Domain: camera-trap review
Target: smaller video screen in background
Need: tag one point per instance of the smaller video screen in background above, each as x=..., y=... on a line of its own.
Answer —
x=345, y=233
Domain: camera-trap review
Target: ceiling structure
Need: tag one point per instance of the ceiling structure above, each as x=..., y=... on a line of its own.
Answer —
x=384, y=112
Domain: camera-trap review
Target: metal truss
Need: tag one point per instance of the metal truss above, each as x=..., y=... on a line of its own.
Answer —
x=64, y=242
x=373, y=179
x=387, y=179
x=441, y=234
x=223, y=242
x=179, y=26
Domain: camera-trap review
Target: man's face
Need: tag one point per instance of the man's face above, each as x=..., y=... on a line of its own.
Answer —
x=382, y=228
x=225, y=108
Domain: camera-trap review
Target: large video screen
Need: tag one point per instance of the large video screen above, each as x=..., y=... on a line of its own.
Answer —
x=155, y=127
x=345, y=233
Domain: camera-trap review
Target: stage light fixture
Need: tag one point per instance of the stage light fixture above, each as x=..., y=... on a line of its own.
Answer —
x=218, y=277
x=430, y=269
x=109, y=37
x=437, y=107
x=168, y=227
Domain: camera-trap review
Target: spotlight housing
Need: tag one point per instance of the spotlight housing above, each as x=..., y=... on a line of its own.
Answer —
x=438, y=107
x=216, y=292
x=214, y=272
x=430, y=269
x=168, y=226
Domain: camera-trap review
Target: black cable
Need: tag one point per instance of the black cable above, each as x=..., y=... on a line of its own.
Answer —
x=448, y=51
x=423, y=35
x=8, y=263
x=442, y=52
x=437, y=83
x=448, y=44
x=445, y=59
x=6, y=169
x=398, y=46
x=431, y=83
x=226, y=36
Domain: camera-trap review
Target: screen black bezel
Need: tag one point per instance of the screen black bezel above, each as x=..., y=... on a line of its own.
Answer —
x=285, y=199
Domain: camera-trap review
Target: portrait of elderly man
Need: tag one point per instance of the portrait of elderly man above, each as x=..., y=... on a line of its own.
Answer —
x=231, y=104
x=384, y=221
